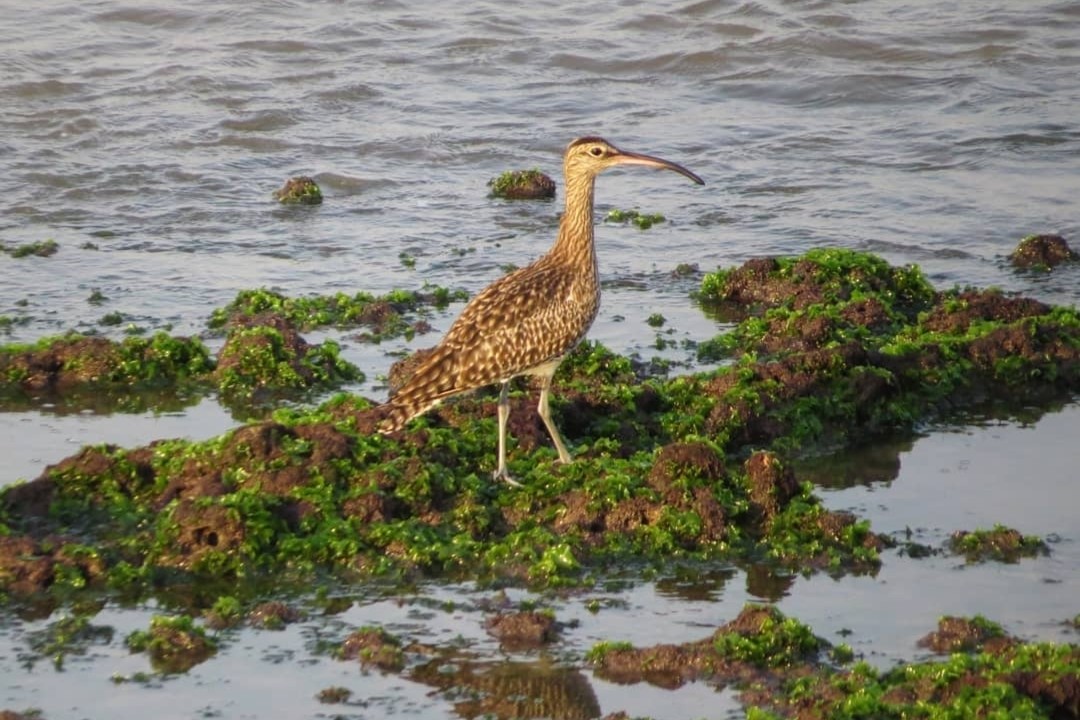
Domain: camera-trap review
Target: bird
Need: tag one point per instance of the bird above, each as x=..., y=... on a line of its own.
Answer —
x=525, y=322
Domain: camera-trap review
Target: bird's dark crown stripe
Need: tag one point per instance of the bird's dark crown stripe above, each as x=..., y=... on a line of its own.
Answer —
x=587, y=139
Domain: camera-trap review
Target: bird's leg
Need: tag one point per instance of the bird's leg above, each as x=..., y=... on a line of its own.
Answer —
x=545, y=415
x=504, y=414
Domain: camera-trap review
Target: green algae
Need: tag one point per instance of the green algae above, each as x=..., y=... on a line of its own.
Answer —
x=43, y=248
x=1022, y=681
x=384, y=315
x=1041, y=253
x=691, y=468
x=844, y=345
x=776, y=641
x=642, y=221
x=300, y=190
x=778, y=666
x=265, y=357
x=373, y=647
x=174, y=644
x=77, y=372
x=1000, y=543
x=69, y=635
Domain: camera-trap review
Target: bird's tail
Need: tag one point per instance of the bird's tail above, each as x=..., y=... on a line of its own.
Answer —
x=433, y=381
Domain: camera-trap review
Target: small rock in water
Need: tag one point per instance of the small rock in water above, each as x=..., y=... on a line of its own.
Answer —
x=522, y=185
x=1042, y=252
x=301, y=190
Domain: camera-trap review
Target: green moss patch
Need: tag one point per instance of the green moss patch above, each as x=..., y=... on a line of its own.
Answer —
x=840, y=347
x=1042, y=252
x=384, y=316
x=264, y=358
x=373, y=647
x=522, y=185
x=43, y=248
x=781, y=671
x=640, y=220
x=174, y=644
x=300, y=190
x=759, y=639
x=1000, y=543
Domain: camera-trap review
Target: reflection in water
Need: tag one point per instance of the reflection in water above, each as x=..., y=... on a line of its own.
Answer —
x=539, y=689
x=768, y=582
x=98, y=400
x=694, y=585
x=877, y=462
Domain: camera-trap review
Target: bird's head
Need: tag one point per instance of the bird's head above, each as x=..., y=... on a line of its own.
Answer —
x=589, y=156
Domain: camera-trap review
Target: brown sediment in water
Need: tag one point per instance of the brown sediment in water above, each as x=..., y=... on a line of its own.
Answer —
x=960, y=634
x=373, y=647
x=523, y=630
x=505, y=690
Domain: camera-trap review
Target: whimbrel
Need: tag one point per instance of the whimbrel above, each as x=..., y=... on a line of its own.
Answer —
x=526, y=322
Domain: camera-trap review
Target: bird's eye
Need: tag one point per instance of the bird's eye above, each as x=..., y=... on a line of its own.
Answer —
x=596, y=151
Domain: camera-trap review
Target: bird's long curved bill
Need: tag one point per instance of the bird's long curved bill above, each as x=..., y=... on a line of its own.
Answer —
x=629, y=158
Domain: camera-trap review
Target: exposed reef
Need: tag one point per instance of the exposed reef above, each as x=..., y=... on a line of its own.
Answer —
x=830, y=348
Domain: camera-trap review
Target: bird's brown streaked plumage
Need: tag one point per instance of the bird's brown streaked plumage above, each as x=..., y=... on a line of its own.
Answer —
x=526, y=322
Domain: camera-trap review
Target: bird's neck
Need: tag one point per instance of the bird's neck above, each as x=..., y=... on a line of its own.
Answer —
x=574, y=245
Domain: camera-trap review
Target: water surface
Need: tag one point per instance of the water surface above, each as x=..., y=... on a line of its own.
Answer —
x=146, y=138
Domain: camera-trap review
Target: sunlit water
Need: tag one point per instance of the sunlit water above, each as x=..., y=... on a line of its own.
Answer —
x=145, y=139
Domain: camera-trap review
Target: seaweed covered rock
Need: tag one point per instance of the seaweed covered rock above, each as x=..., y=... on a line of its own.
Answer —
x=837, y=344
x=841, y=347
x=522, y=630
x=299, y=190
x=958, y=634
x=1000, y=543
x=779, y=669
x=373, y=647
x=1042, y=252
x=174, y=644
x=522, y=185
x=63, y=363
x=382, y=316
x=265, y=352
x=759, y=638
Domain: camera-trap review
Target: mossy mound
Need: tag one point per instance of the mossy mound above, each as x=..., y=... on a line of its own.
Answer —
x=73, y=373
x=522, y=185
x=384, y=316
x=174, y=644
x=782, y=671
x=56, y=364
x=264, y=357
x=1042, y=252
x=758, y=639
x=43, y=248
x=264, y=354
x=318, y=490
x=1000, y=543
x=300, y=190
x=839, y=345
x=843, y=346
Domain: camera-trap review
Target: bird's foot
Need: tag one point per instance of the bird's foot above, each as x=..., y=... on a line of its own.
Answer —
x=504, y=475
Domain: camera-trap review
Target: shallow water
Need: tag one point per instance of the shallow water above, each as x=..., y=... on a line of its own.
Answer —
x=930, y=134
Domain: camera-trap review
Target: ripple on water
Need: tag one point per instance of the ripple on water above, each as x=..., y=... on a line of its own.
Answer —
x=927, y=132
